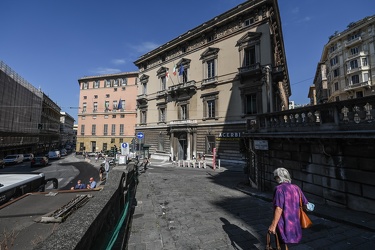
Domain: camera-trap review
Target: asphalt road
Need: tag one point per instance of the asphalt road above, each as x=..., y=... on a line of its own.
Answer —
x=66, y=170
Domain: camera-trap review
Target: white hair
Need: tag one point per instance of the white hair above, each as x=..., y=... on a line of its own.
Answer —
x=283, y=175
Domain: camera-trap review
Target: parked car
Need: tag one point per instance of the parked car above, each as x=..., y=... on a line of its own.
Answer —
x=64, y=152
x=39, y=161
x=13, y=159
x=54, y=154
x=28, y=157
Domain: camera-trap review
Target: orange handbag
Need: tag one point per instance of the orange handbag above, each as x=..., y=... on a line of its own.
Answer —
x=304, y=219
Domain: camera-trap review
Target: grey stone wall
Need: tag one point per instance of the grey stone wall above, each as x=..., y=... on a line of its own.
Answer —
x=90, y=227
x=337, y=172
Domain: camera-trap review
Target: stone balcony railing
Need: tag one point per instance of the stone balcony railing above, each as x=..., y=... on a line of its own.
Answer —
x=350, y=116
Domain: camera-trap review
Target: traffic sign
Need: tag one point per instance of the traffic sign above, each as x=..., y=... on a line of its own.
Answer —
x=140, y=135
x=124, y=145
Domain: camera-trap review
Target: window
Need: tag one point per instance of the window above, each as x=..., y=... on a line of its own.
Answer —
x=336, y=86
x=124, y=82
x=354, y=51
x=115, y=83
x=144, y=88
x=333, y=48
x=210, y=109
x=182, y=73
x=95, y=96
x=209, y=61
x=122, y=105
x=250, y=104
x=358, y=94
x=81, y=146
x=85, y=97
x=105, y=130
x=334, y=61
x=122, y=116
x=93, y=129
x=83, y=117
x=183, y=112
x=82, y=129
x=106, y=106
x=84, y=108
x=113, y=116
x=113, y=140
x=355, y=79
x=249, y=21
x=85, y=85
x=161, y=142
x=94, y=117
x=249, y=56
x=353, y=64
x=364, y=61
x=211, y=69
x=96, y=84
x=210, y=144
x=143, y=116
x=121, y=140
x=95, y=107
x=336, y=72
x=162, y=114
x=115, y=105
x=121, y=129
x=106, y=117
x=105, y=146
x=107, y=83
x=113, y=130
x=107, y=95
x=163, y=83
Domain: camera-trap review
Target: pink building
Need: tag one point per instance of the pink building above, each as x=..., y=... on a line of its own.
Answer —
x=107, y=113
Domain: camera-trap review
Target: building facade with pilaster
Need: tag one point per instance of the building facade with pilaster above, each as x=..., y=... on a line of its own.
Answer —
x=197, y=91
x=347, y=66
x=107, y=114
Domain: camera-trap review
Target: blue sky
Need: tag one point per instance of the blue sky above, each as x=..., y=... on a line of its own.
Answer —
x=52, y=44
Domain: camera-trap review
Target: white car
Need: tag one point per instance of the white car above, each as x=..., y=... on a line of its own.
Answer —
x=13, y=159
x=55, y=154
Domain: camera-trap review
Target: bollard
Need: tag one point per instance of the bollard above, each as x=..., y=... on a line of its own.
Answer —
x=199, y=164
x=204, y=164
x=218, y=163
x=183, y=164
x=193, y=164
x=178, y=163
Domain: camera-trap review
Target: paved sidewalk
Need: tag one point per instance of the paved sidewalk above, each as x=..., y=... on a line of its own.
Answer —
x=186, y=208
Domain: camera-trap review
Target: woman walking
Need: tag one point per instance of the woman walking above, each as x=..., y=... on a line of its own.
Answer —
x=286, y=203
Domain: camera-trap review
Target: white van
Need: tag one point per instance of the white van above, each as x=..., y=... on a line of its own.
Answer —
x=54, y=154
x=13, y=159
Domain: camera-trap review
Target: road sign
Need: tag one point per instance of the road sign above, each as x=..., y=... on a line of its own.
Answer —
x=140, y=135
x=124, y=145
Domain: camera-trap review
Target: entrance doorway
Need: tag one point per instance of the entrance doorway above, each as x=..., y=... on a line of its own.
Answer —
x=182, y=147
x=93, y=146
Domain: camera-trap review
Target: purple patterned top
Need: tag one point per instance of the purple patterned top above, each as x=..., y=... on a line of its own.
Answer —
x=286, y=196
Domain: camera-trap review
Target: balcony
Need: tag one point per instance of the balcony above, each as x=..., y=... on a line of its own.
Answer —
x=161, y=94
x=323, y=120
x=353, y=41
x=142, y=99
x=185, y=87
x=359, y=85
x=250, y=70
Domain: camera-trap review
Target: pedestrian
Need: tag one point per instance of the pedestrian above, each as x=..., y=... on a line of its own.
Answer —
x=106, y=168
x=101, y=171
x=79, y=185
x=92, y=183
x=286, y=223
